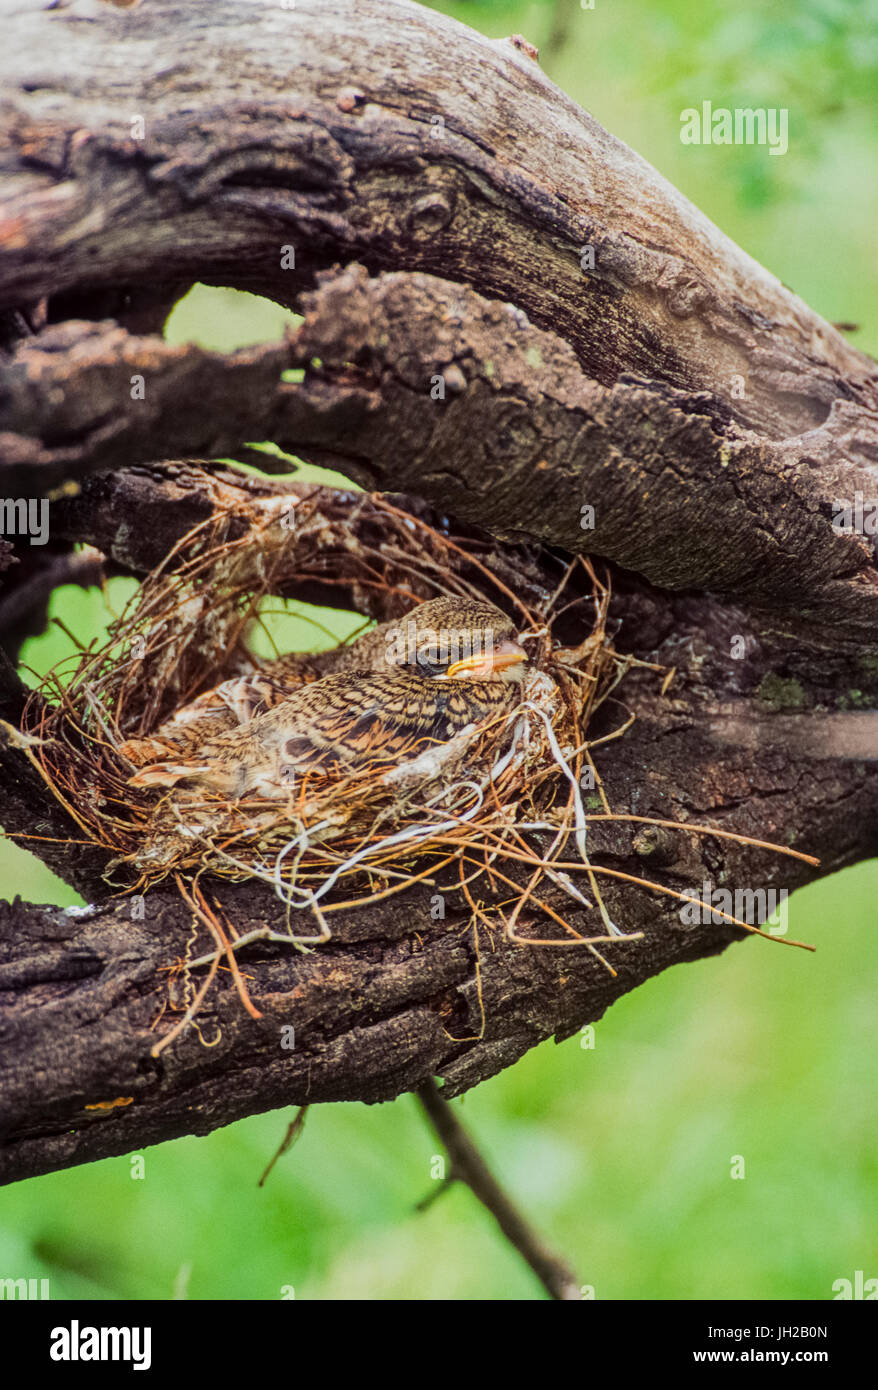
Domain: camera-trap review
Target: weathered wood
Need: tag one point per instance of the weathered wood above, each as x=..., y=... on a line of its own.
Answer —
x=379, y=1008
x=426, y=386
x=274, y=127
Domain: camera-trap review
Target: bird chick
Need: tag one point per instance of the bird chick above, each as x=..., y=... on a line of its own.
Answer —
x=418, y=682
x=236, y=701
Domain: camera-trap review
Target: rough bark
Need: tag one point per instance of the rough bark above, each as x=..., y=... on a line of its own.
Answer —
x=378, y=1008
x=522, y=439
x=438, y=191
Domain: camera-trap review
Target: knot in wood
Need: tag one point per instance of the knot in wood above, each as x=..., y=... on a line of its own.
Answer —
x=350, y=98
x=430, y=214
x=656, y=843
x=525, y=46
x=455, y=381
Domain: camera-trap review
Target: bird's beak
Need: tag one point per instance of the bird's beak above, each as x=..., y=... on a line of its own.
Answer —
x=499, y=661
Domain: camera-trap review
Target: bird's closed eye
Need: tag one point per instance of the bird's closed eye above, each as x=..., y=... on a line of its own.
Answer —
x=429, y=667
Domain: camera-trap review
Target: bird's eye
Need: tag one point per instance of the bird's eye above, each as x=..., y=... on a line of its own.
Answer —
x=428, y=667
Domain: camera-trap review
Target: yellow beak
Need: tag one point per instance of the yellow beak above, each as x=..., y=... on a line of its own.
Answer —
x=483, y=665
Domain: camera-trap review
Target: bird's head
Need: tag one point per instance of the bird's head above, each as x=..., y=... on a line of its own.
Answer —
x=457, y=639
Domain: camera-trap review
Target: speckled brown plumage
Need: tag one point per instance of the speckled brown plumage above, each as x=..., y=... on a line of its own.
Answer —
x=403, y=687
x=236, y=701
x=226, y=706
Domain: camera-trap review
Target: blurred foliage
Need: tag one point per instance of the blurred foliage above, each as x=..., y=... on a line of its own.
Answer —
x=622, y=1153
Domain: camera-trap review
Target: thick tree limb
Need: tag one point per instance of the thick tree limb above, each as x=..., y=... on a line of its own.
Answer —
x=709, y=417
x=519, y=442
x=379, y=1008
x=313, y=138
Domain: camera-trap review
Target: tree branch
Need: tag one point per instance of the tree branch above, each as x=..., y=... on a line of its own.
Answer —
x=345, y=162
x=468, y=1166
x=395, y=997
x=518, y=442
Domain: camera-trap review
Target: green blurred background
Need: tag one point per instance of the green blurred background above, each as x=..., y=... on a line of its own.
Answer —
x=621, y=1153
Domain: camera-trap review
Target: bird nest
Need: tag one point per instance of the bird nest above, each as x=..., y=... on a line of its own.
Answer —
x=504, y=801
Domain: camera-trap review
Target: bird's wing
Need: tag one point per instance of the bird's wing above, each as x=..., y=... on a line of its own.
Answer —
x=351, y=722
x=357, y=720
x=227, y=706
x=341, y=724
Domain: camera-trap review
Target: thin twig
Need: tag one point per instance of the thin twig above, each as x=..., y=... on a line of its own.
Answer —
x=468, y=1166
x=294, y=1130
